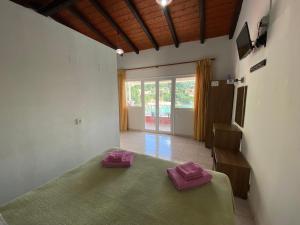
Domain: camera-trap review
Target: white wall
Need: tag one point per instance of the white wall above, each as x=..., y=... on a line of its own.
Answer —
x=219, y=48
x=50, y=75
x=184, y=122
x=272, y=119
x=136, y=120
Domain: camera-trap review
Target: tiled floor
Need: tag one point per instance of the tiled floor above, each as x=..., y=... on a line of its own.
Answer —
x=180, y=149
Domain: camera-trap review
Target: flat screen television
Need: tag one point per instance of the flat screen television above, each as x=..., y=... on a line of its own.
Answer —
x=244, y=43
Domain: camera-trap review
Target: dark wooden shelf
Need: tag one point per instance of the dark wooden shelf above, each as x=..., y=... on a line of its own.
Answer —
x=235, y=166
x=227, y=136
x=229, y=160
x=226, y=127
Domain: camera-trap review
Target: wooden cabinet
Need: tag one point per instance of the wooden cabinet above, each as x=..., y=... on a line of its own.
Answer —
x=234, y=165
x=219, y=109
x=229, y=160
x=226, y=136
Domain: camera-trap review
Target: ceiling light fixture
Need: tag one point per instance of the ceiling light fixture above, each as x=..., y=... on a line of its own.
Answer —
x=163, y=3
x=120, y=51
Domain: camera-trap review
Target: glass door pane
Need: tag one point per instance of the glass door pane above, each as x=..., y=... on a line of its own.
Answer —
x=165, y=93
x=150, y=105
x=184, y=93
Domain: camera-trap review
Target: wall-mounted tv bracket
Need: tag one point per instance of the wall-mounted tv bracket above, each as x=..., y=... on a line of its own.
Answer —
x=262, y=34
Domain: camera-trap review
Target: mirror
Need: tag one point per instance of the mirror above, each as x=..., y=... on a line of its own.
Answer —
x=240, y=105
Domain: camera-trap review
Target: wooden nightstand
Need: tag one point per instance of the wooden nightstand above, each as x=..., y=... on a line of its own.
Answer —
x=235, y=166
x=226, y=136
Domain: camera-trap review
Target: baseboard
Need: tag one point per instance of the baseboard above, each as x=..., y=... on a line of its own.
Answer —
x=175, y=134
x=183, y=135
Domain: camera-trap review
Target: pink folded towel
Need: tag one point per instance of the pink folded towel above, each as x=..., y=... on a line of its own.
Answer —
x=126, y=161
x=182, y=184
x=189, y=171
x=116, y=156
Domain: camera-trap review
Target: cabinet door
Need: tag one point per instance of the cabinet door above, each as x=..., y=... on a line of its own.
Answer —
x=220, y=103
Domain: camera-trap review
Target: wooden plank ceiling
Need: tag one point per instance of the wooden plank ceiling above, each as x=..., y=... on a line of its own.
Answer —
x=135, y=25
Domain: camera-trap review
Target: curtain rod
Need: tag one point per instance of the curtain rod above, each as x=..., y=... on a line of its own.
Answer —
x=169, y=64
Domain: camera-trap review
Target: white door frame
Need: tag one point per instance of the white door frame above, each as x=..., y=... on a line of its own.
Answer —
x=173, y=88
x=157, y=80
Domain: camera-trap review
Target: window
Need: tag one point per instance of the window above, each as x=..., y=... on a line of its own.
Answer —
x=184, y=92
x=133, y=93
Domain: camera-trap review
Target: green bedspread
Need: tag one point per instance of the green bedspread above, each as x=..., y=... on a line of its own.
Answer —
x=140, y=195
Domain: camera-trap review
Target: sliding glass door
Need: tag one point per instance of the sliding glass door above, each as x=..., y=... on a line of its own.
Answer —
x=150, y=105
x=158, y=105
x=162, y=104
x=165, y=105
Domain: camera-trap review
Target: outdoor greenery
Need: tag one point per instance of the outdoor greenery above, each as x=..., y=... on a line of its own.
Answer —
x=150, y=92
x=150, y=98
x=133, y=93
x=184, y=93
x=165, y=89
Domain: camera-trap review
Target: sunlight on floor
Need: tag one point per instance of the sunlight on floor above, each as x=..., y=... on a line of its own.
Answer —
x=180, y=149
x=174, y=148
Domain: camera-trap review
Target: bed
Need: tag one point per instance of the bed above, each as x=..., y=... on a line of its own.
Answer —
x=140, y=195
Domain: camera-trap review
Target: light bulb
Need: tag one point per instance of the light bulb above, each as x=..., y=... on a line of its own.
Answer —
x=120, y=51
x=163, y=3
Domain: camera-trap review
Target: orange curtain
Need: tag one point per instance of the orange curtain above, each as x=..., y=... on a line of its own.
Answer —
x=203, y=80
x=123, y=110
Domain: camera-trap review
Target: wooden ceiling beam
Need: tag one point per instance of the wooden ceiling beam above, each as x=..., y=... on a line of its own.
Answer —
x=202, y=20
x=235, y=19
x=139, y=19
x=75, y=12
x=117, y=28
x=55, y=6
x=170, y=23
x=28, y=4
